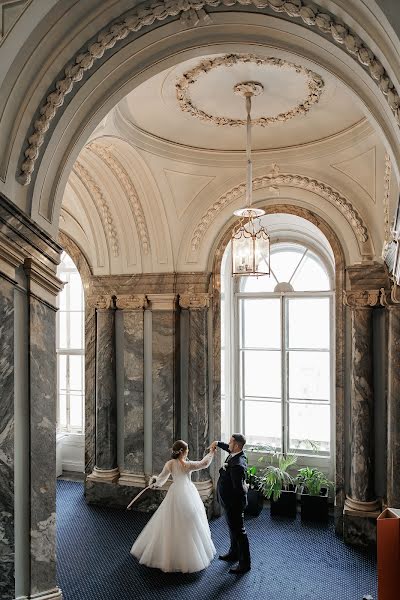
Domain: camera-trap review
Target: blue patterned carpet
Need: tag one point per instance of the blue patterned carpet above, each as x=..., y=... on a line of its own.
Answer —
x=291, y=561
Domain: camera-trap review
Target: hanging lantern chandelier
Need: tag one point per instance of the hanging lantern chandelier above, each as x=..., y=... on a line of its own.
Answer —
x=250, y=240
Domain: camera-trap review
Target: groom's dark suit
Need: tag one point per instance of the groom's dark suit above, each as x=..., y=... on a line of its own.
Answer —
x=232, y=495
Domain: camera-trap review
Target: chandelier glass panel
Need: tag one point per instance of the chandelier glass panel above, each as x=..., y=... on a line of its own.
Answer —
x=250, y=239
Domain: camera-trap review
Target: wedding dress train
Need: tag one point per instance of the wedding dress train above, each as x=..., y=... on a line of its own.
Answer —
x=177, y=537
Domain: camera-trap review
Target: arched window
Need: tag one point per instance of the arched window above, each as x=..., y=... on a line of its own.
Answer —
x=70, y=349
x=277, y=352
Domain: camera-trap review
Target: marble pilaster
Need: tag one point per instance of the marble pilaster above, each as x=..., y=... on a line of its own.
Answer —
x=392, y=304
x=132, y=313
x=163, y=307
x=198, y=400
x=106, y=469
x=361, y=503
x=7, y=540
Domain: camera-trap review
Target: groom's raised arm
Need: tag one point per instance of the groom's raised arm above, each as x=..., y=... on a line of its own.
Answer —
x=223, y=446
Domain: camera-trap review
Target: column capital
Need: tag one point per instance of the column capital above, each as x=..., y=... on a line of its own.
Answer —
x=390, y=298
x=194, y=301
x=131, y=302
x=162, y=301
x=361, y=298
x=102, y=301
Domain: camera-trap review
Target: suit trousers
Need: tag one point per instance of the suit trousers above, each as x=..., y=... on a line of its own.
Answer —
x=239, y=542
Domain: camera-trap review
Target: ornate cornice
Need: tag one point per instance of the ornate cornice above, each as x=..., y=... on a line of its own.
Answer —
x=131, y=302
x=194, y=301
x=147, y=13
x=98, y=198
x=266, y=181
x=130, y=191
x=314, y=81
x=361, y=298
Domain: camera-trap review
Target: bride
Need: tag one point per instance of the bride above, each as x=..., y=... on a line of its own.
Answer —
x=177, y=537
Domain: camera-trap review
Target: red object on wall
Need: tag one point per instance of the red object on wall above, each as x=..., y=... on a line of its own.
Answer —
x=388, y=542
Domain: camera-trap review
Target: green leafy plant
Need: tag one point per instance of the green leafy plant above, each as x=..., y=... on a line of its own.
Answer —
x=253, y=479
x=313, y=480
x=276, y=477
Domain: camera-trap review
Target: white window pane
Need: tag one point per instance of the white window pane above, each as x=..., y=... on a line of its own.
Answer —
x=262, y=373
x=263, y=283
x=75, y=373
x=311, y=276
x=302, y=312
x=62, y=372
x=284, y=262
x=75, y=292
x=309, y=375
x=222, y=371
x=75, y=411
x=62, y=332
x=76, y=333
x=62, y=411
x=263, y=423
x=261, y=323
x=62, y=300
x=66, y=261
x=309, y=423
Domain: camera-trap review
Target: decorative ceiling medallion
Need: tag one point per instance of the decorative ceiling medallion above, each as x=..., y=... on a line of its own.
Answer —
x=315, y=85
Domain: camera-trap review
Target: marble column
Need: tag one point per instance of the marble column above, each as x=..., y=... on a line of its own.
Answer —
x=106, y=469
x=361, y=506
x=164, y=364
x=197, y=386
x=131, y=309
x=392, y=304
x=7, y=541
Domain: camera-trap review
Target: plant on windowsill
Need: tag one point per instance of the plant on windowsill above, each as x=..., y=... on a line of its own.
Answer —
x=279, y=486
x=314, y=492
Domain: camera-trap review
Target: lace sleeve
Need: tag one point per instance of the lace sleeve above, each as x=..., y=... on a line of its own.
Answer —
x=163, y=476
x=197, y=465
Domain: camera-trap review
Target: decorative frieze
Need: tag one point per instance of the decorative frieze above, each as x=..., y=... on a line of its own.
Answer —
x=100, y=302
x=162, y=301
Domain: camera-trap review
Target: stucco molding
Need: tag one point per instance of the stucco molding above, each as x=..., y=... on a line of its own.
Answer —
x=106, y=155
x=99, y=200
x=190, y=13
x=314, y=82
x=266, y=181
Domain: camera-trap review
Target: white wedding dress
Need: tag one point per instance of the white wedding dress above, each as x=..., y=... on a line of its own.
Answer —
x=177, y=537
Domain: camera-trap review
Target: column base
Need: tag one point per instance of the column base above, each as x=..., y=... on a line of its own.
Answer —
x=359, y=522
x=54, y=594
x=133, y=479
x=104, y=475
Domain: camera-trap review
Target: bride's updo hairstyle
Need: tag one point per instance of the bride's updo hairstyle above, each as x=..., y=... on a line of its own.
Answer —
x=179, y=448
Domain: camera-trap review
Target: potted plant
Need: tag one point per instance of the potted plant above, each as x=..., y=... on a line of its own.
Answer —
x=279, y=486
x=255, y=497
x=314, y=491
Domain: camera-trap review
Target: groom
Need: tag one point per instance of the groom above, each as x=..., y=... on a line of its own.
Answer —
x=232, y=495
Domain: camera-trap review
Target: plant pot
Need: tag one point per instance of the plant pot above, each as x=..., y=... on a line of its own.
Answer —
x=255, y=502
x=286, y=505
x=314, y=508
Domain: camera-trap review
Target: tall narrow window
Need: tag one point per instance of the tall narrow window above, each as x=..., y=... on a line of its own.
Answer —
x=70, y=349
x=282, y=372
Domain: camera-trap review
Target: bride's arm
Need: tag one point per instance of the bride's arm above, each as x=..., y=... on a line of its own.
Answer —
x=163, y=476
x=197, y=465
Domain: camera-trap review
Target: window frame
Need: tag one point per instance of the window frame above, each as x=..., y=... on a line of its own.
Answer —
x=325, y=462
x=68, y=428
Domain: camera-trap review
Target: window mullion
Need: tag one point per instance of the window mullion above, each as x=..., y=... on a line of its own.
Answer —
x=283, y=375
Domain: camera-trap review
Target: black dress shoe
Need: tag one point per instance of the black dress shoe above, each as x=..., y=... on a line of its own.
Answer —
x=228, y=557
x=239, y=570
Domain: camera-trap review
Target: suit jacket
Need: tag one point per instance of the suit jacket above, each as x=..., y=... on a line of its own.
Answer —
x=231, y=487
